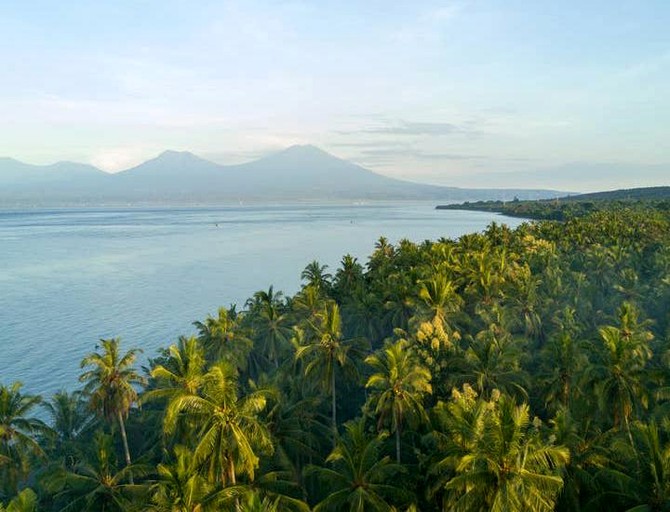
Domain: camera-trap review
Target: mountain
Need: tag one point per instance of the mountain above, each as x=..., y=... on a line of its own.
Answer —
x=17, y=174
x=59, y=183
x=172, y=165
x=307, y=171
x=299, y=173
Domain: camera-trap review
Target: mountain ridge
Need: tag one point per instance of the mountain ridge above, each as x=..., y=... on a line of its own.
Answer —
x=297, y=173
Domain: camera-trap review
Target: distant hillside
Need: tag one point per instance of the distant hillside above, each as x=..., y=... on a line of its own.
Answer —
x=299, y=173
x=562, y=208
x=46, y=185
x=19, y=175
x=630, y=194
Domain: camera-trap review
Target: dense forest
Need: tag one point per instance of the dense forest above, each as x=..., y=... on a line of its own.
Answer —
x=509, y=370
x=569, y=207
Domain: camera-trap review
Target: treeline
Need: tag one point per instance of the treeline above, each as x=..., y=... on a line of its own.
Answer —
x=565, y=208
x=509, y=370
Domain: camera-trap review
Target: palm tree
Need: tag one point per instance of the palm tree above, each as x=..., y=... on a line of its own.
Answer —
x=231, y=432
x=486, y=273
x=525, y=303
x=362, y=312
x=25, y=501
x=18, y=435
x=383, y=253
x=493, y=361
x=646, y=489
x=495, y=459
x=293, y=419
x=440, y=297
x=181, y=371
x=262, y=297
x=359, y=477
x=98, y=485
x=349, y=277
x=399, y=385
x=71, y=418
x=224, y=338
x=111, y=385
x=401, y=304
x=589, y=455
x=565, y=359
x=315, y=275
x=179, y=486
x=69, y=413
x=253, y=502
x=618, y=376
x=307, y=303
x=324, y=352
x=271, y=325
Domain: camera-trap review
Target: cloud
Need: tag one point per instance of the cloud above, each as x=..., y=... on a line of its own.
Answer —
x=413, y=128
x=390, y=154
x=237, y=157
x=121, y=158
x=413, y=153
x=429, y=26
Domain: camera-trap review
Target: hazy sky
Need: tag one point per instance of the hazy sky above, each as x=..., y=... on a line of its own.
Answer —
x=480, y=93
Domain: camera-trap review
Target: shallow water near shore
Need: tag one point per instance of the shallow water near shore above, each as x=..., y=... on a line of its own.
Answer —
x=69, y=277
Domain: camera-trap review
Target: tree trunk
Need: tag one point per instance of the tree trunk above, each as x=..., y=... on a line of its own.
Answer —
x=233, y=480
x=231, y=471
x=126, y=450
x=334, y=407
x=628, y=431
x=397, y=442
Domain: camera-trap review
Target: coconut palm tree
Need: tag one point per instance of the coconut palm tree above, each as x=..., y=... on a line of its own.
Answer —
x=181, y=370
x=296, y=424
x=178, y=373
x=348, y=278
x=70, y=415
x=326, y=353
x=618, y=376
x=231, y=433
x=18, y=435
x=307, y=303
x=71, y=419
x=25, y=501
x=398, y=386
x=98, y=485
x=495, y=458
x=439, y=298
x=493, y=361
x=564, y=359
x=111, y=385
x=271, y=326
x=179, y=486
x=315, y=275
x=359, y=475
x=224, y=338
x=401, y=303
x=644, y=480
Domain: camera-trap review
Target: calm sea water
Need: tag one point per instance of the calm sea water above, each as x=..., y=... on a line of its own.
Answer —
x=71, y=277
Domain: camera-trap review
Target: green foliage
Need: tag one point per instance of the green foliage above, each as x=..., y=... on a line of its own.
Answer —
x=25, y=501
x=398, y=386
x=358, y=478
x=18, y=436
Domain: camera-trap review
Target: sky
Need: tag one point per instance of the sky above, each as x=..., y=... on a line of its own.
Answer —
x=573, y=95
